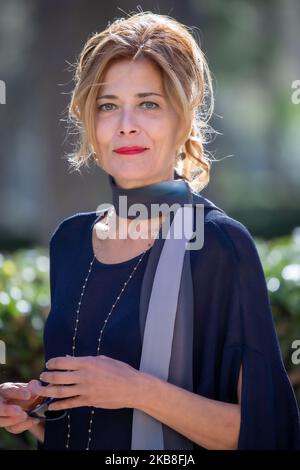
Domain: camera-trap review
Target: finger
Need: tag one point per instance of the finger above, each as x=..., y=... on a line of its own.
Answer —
x=10, y=410
x=32, y=387
x=74, y=402
x=20, y=384
x=58, y=391
x=21, y=427
x=66, y=363
x=61, y=378
x=15, y=392
x=13, y=420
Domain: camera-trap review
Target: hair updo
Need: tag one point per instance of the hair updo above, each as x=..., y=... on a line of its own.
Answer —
x=186, y=79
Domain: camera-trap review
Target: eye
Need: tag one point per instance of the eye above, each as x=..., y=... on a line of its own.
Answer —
x=105, y=104
x=101, y=107
x=150, y=102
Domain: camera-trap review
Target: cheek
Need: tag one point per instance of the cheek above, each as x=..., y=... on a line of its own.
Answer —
x=163, y=129
x=104, y=132
x=157, y=129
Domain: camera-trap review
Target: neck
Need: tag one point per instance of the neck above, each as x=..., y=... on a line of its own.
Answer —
x=124, y=228
x=134, y=184
x=148, y=201
x=150, y=205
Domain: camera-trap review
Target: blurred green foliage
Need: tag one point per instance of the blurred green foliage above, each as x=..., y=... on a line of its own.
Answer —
x=281, y=262
x=24, y=306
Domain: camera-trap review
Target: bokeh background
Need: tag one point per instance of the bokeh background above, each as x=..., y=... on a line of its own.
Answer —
x=252, y=47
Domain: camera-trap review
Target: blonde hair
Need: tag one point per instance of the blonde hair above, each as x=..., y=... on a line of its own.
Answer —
x=186, y=78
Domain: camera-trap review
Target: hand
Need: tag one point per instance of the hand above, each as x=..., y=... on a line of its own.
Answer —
x=13, y=398
x=97, y=381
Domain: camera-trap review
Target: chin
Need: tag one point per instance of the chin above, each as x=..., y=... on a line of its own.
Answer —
x=128, y=175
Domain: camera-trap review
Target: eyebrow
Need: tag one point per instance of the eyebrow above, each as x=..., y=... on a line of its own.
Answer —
x=138, y=95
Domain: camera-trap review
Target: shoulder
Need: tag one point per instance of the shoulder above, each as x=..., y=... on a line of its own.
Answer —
x=225, y=235
x=72, y=226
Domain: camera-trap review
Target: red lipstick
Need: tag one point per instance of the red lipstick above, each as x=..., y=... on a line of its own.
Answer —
x=130, y=150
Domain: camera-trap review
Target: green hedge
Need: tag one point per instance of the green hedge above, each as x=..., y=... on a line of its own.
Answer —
x=24, y=306
x=281, y=262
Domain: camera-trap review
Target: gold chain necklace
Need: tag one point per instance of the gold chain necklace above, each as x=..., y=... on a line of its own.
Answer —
x=99, y=341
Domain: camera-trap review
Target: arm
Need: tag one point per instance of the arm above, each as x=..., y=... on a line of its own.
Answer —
x=209, y=423
x=104, y=382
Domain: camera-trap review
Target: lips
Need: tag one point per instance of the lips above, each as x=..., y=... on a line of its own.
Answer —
x=130, y=150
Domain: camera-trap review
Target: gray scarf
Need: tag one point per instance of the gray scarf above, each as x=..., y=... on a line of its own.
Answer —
x=166, y=305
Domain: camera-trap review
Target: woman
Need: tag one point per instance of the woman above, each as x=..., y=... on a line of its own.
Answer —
x=128, y=374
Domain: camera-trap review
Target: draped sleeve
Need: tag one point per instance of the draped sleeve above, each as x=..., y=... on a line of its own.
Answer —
x=237, y=329
x=52, y=283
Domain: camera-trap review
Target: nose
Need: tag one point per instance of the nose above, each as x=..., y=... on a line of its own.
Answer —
x=127, y=124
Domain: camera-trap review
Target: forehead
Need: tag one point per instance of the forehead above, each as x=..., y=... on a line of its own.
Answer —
x=127, y=73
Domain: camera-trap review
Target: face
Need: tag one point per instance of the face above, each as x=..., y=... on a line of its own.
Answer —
x=128, y=120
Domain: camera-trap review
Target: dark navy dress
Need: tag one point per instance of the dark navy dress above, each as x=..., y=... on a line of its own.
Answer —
x=233, y=325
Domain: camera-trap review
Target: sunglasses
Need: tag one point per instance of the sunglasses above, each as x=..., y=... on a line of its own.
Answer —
x=40, y=410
